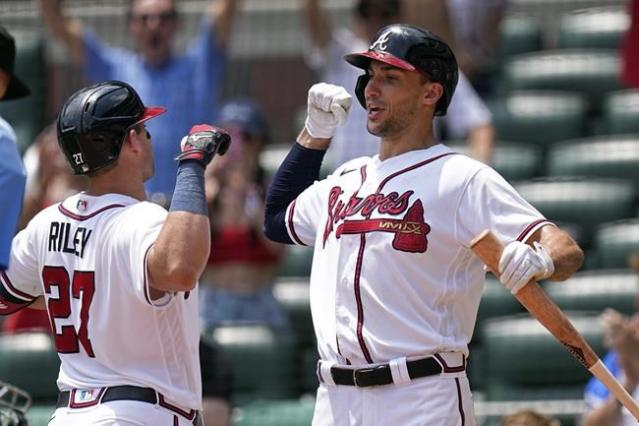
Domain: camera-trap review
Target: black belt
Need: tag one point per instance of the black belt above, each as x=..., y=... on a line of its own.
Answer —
x=381, y=374
x=132, y=393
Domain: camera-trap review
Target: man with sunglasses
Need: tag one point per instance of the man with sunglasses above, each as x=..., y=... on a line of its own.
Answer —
x=468, y=117
x=189, y=84
x=117, y=274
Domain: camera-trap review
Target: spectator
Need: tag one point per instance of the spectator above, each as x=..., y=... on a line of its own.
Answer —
x=12, y=175
x=467, y=117
x=529, y=418
x=49, y=179
x=472, y=26
x=188, y=85
x=621, y=335
x=237, y=282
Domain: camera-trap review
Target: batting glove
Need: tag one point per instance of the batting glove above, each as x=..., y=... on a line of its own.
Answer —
x=202, y=143
x=520, y=263
x=327, y=107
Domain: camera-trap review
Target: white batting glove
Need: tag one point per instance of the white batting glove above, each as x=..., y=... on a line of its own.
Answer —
x=327, y=107
x=520, y=263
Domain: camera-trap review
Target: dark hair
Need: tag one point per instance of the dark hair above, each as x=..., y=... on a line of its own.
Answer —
x=129, y=12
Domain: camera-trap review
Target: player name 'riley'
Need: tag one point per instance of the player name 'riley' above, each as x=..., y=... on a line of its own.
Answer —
x=62, y=238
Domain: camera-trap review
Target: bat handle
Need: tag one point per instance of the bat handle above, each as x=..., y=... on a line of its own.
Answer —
x=600, y=371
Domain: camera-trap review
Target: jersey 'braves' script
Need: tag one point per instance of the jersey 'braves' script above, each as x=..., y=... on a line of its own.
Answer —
x=392, y=251
x=56, y=256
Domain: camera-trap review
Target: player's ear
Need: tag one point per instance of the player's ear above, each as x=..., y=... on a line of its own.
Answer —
x=432, y=93
x=133, y=139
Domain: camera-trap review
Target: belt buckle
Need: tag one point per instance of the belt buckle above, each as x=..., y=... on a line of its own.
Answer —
x=359, y=371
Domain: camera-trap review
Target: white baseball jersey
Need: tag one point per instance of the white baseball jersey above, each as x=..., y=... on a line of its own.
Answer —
x=393, y=274
x=87, y=256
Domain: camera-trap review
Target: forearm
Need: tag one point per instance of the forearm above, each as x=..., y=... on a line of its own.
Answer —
x=297, y=172
x=222, y=14
x=567, y=256
x=181, y=250
x=317, y=23
x=66, y=30
x=609, y=413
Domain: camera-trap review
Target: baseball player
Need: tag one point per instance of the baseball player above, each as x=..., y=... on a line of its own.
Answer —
x=118, y=274
x=394, y=285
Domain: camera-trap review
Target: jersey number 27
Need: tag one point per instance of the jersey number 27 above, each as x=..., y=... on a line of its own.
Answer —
x=82, y=287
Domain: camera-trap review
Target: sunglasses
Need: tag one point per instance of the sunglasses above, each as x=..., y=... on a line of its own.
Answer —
x=147, y=17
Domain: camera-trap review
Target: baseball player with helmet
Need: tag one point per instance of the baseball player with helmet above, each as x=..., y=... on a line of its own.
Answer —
x=394, y=285
x=119, y=274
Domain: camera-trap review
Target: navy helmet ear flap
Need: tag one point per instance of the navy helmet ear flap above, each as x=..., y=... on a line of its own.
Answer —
x=362, y=81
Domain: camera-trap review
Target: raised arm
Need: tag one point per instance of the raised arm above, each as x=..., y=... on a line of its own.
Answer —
x=317, y=23
x=222, y=13
x=327, y=107
x=181, y=250
x=481, y=140
x=66, y=30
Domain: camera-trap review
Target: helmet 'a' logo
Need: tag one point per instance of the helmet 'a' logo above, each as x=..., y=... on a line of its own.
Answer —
x=382, y=42
x=77, y=158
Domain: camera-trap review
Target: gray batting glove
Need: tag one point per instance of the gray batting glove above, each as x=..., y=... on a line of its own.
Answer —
x=327, y=107
x=520, y=263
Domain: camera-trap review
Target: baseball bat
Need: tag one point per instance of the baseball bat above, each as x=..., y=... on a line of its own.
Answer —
x=537, y=302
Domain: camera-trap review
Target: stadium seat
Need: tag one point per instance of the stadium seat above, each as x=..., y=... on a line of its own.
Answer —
x=496, y=301
x=602, y=156
x=39, y=415
x=621, y=112
x=30, y=361
x=297, y=261
x=596, y=290
x=539, y=117
x=293, y=295
x=596, y=27
x=585, y=202
x=293, y=412
x=592, y=72
x=615, y=242
x=262, y=362
x=517, y=161
x=518, y=34
x=523, y=361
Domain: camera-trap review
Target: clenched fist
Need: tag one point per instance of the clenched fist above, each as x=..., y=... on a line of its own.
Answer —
x=327, y=107
x=202, y=143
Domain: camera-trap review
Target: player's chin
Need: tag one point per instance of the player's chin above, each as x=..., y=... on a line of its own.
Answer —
x=374, y=128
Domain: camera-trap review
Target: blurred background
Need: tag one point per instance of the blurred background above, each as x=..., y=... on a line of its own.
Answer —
x=557, y=81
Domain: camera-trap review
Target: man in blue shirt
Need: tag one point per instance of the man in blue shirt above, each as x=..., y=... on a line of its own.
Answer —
x=189, y=84
x=12, y=175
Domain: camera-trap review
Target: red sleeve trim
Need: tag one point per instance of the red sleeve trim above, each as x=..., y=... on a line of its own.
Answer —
x=532, y=227
x=14, y=291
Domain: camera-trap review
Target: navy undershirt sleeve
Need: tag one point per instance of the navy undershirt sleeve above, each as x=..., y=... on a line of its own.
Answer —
x=298, y=171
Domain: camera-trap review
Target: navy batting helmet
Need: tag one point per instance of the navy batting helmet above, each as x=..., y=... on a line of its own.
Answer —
x=410, y=48
x=94, y=121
